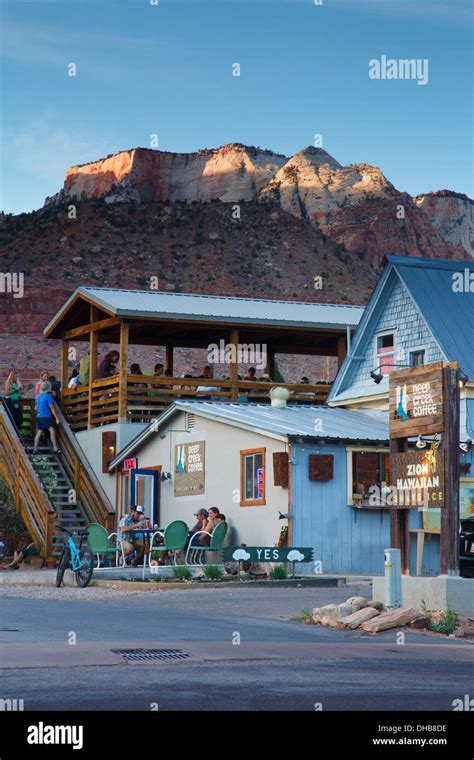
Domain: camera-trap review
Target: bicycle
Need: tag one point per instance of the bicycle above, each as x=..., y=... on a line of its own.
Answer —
x=80, y=559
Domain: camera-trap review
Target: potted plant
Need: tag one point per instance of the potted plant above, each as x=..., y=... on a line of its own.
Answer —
x=51, y=562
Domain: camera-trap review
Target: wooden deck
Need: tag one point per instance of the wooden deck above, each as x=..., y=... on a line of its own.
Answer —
x=146, y=397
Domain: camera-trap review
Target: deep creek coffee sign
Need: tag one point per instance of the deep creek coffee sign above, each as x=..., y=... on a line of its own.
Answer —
x=416, y=401
x=189, y=468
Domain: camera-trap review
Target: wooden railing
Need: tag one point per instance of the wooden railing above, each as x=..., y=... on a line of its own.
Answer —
x=147, y=397
x=90, y=495
x=31, y=499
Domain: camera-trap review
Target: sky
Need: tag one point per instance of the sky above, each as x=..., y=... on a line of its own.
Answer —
x=166, y=69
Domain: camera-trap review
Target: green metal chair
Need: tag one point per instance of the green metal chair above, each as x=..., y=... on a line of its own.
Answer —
x=98, y=542
x=175, y=537
x=195, y=554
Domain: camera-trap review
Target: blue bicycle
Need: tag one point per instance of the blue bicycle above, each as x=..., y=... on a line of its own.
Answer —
x=79, y=558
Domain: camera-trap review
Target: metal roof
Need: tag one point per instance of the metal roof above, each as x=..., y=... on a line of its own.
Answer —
x=292, y=421
x=144, y=303
x=448, y=312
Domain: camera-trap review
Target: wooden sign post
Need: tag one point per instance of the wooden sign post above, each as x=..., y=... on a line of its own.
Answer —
x=424, y=401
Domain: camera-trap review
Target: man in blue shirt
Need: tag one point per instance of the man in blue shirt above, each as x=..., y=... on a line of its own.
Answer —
x=45, y=416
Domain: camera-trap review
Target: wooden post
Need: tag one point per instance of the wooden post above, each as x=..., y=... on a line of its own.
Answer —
x=399, y=536
x=169, y=358
x=271, y=363
x=93, y=342
x=449, y=538
x=64, y=364
x=234, y=367
x=341, y=349
x=122, y=400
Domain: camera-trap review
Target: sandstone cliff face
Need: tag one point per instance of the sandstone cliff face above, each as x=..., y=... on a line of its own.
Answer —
x=231, y=173
x=452, y=215
x=354, y=205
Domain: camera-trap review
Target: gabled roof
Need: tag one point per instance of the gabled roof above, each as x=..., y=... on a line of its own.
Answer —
x=293, y=421
x=449, y=314
x=204, y=308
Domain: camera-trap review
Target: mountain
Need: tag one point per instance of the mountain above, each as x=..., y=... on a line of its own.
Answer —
x=452, y=215
x=234, y=220
x=354, y=205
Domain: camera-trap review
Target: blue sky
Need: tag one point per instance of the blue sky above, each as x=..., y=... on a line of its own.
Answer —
x=167, y=69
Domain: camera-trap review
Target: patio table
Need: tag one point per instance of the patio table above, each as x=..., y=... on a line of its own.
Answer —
x=146, y=534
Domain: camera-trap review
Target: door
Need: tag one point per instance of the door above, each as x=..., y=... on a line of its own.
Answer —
x=144, y=490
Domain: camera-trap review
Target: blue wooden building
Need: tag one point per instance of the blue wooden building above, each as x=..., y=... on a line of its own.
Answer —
x=421, y=311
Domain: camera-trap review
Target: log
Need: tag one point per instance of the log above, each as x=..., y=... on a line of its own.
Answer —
x=357, y=618
x=392, y=619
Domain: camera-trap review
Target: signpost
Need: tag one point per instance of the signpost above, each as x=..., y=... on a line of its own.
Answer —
x=424, y=401
x=291, y=554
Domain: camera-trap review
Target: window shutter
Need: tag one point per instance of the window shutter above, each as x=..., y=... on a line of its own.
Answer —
x=321, y=466
x=280, y=468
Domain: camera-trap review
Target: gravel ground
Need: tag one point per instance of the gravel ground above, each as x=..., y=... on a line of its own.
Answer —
x=274, y=603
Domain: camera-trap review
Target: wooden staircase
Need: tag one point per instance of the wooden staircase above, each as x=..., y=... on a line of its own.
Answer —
x=50, y=490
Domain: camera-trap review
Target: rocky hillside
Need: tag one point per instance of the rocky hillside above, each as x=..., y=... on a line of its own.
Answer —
x=354, y=205
x=194, y=247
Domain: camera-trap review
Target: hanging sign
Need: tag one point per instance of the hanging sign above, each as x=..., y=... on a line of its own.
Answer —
x=416, y=401
x=189, y=468
x=417, y=479
x=130, y=464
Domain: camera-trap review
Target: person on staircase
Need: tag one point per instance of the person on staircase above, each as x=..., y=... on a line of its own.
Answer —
x=44, y=378
x=13, y=393
x=45, y=416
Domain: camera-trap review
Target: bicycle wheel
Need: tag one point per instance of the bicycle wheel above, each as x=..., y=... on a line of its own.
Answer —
x=84, y=574
x=63, y=563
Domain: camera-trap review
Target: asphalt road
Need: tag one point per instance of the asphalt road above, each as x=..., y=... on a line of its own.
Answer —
x=244, y=653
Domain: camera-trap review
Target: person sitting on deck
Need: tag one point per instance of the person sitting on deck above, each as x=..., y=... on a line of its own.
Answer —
x=45, y=412
x=132, y=541
x=206, y=375
x=309, y=394
x=84, y=370
x=74, y=380
x=107, y=367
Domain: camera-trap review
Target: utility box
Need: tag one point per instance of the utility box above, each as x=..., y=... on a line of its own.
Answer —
x=393, y=579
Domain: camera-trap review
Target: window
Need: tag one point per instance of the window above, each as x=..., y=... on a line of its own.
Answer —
x=369, y=468
x=385, y=352
x=252, y=477
x=417, y=358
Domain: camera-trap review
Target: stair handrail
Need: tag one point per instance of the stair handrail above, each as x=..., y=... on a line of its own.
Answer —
x=106, y=513
x=38, y=513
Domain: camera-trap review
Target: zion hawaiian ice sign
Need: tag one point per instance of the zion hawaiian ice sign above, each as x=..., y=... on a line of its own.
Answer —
x=189, y=467
x=417, y=479
x=416, y=402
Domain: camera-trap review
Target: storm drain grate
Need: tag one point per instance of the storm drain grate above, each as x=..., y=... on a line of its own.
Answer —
x=151, y=654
